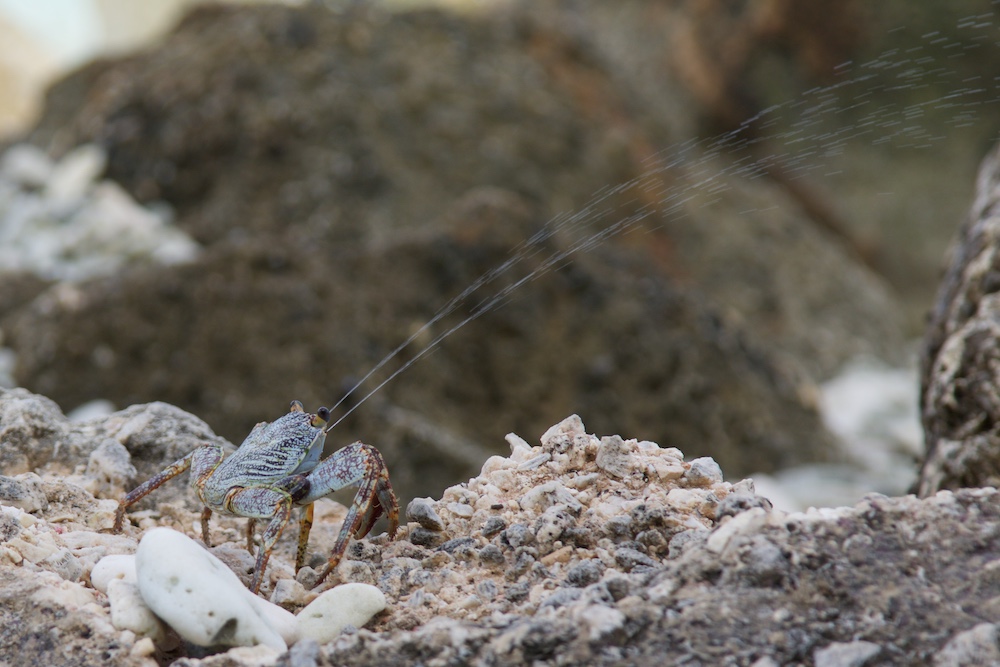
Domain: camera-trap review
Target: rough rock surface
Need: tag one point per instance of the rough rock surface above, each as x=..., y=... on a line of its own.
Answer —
x=349, y=172
x=959, y=399
x=578, y=551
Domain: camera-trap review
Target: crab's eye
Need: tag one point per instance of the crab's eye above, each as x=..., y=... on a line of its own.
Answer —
x=322, y=416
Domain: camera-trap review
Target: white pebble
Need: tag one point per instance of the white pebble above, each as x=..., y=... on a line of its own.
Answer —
x=461, y=509
x=536, y=461
x=516, y=442
x=279, y=618
x=129, y=611
x=41, y=546
x=664, y=470
x=102, y=517
x=288, y=592
x=662, y=593
x=91, y=539
x=543, y=496
x=199, y=597
x=553, y=522
x=852, y=654
x=742, y=523
x=581, y=481
x=349, y=604
x=567, y=429
x=143, y=648
x=118, y=566
x=704, y=471
x=614, y=456
x=495, y=463
x=597, y=620
x=975, y=646
x=686, y=500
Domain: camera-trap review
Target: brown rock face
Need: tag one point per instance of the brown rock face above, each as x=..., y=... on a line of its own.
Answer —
x=606, y=336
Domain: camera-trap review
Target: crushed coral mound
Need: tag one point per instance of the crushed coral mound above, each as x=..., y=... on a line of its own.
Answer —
x=530, y=534
x=536, y=528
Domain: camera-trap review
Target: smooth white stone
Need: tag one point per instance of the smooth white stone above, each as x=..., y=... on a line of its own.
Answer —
x=279, y=618
x=129, y=611
x=200, y=598
x=109, y=568
x=348, y=604
x=100, y=407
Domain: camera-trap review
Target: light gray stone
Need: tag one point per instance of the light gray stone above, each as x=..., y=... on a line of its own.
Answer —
x=199, y=597
x=841, y=654
x=352, y=604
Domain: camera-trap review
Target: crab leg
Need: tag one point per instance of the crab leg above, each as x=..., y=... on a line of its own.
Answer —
x=262, y=503
x=206, y=514
x=305, y=525
x=358, y=465
x=203, y=461
x=251, y=525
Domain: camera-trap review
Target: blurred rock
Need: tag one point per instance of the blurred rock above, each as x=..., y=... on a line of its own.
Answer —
x=407, y=156
x=829, y=76
x=61, y=221
x=680, y=368
x=959, y=402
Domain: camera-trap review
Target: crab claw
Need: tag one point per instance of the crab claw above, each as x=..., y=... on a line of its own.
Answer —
x=361, y=465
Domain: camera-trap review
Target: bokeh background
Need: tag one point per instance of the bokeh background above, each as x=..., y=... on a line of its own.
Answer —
x=714, y=225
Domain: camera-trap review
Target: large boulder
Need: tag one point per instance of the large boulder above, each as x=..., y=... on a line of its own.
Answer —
x=245, y=330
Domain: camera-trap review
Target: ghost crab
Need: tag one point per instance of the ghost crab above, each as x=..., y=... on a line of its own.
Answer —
x=278, y=467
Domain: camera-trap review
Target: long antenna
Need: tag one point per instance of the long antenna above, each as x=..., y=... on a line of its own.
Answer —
x=484, y=306
x=524, y=250
x=529, y=248
x=703, y=177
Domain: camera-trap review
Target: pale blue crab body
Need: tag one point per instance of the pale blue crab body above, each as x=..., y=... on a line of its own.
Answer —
x=277, y=467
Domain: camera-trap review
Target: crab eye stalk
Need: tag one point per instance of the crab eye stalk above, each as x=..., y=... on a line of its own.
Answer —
x=321, y=417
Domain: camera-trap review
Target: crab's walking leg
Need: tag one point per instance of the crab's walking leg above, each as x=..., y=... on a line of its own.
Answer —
x=355, y=465
x=305, y=525
x=202, y=461
x=251, y=524
x=206, y=514
x=262, y=503
x=272, y=502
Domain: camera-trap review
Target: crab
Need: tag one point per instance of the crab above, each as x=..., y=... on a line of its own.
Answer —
x=278, y=467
